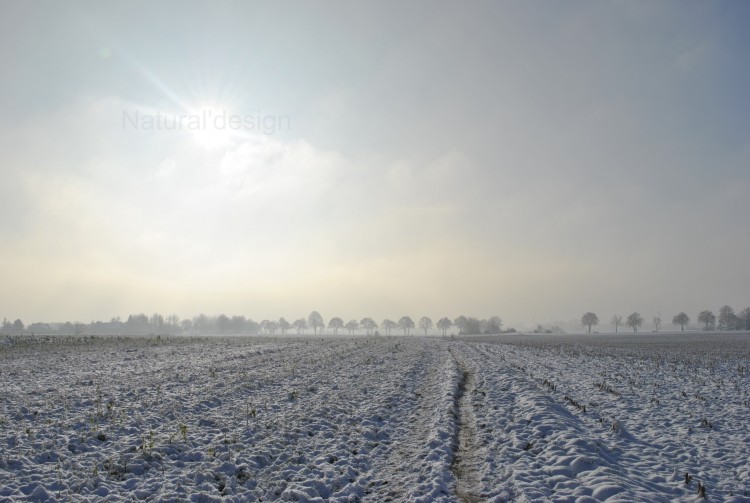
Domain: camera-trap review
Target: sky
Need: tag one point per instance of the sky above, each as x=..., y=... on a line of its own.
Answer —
x=533, y=160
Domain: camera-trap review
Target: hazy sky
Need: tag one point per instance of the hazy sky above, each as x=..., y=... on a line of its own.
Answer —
x=529, y=159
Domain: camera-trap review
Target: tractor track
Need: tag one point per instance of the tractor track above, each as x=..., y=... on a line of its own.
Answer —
x=466, y=463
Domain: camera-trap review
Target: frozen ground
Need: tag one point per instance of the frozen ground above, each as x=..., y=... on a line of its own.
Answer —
x=524, y=418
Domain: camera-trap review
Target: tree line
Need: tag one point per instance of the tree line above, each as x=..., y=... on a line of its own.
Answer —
x=142, y=324
x=727, y=320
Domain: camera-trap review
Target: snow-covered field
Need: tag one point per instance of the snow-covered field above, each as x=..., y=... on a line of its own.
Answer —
x=523, y=418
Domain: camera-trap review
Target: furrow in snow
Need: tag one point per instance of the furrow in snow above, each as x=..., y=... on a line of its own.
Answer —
x=466, y=462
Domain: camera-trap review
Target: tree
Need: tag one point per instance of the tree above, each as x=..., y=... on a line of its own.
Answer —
x=272, y=326
x=444, y=324
x=473, y=326
x=634, y=321
x=727, y=318
x=681, y=319
x=336, y=324
x=388, y=325
x=200, y=323
x=42, y=328
x=405, y=323
x=137, y=324
x=78, y=328
x=616, y=321
x=468, y=326
x=252, y=327
x=284, y=325
x=745, y=317
x=461, y=324
x=300, y=325
x=707, y=317
x=589, y=319
x=18, y=326
x=368, y=324
x=425, y=323
x=223, y=323
x=172, y=322
x=493, y=326
x=187, y=326
x=351, y=326
x=657, y=322
x=238, y=324
x=157, y=323
x=315, y=321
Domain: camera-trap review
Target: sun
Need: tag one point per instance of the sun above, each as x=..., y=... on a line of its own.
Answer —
x=211, y=126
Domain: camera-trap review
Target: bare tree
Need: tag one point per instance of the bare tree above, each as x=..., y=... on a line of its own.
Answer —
x=405, y=323
x=425, y=323
x=634, y=321
x=657, y=322
x=157, y=323
x=351, y=326
x=252, y=327
x=681, y=319
x=473, y=326
x=187, y=326
x=388, y=325
x=444, y=324
x=707, y=317
x=238, y=324
x=745, y=317
x=368, y=324
x=201, y=323
x=461, y=323
x=300, y=325
x=494, y=325
x=272, y=326
x=616, y=321
x=223, y=323
x=727, y=318
x=173, y=322
x=315, y=321
x=284, y=325
x=336, y=324
x=589, y=319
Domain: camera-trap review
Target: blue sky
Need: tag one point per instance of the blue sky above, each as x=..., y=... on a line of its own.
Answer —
x=529, y=159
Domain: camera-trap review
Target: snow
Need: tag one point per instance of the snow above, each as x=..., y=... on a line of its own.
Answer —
x=510, y=418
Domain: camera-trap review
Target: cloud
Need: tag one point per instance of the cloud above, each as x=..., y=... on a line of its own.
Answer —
x=262, y=215
x=266, y=225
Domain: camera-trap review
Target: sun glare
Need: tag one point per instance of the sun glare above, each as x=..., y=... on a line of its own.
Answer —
x=212, y=126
